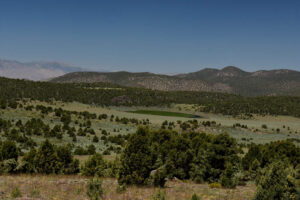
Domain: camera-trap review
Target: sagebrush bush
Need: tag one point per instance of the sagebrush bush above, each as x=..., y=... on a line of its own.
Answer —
x=195, y=197
x=121, y=188
x=159, y=195
x=15, y=193
x=94, y=189
x=215, y=185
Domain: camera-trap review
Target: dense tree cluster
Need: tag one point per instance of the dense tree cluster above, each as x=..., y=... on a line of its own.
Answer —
x=47, y=159
x=160, y=154
x=91, y=93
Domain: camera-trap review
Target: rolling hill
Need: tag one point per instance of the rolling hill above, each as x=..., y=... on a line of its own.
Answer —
x=229, y=79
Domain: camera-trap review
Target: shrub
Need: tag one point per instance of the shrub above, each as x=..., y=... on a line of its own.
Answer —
x=35, y=193
x=15, y=193
x=94, y=189
x=136, y=160
x=49, y=159
x=264, y=126
x=8, y=166
x=215, y=185
x=121, y=188
x=277, y=182
x=158, y=177
x=95, y=165
x=91, y=149
x=228, y=177
x=8, y=150
x=159, y=195
x=46, y=159
x=195, y=197
x=95, y=139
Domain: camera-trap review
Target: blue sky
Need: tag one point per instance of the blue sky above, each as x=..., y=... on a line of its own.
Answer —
x=148, y=35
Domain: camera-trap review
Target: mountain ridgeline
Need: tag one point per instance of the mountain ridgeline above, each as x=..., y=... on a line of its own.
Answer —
x=229, y=80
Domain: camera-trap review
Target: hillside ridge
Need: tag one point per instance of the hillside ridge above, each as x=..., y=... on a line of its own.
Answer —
x=229, y=80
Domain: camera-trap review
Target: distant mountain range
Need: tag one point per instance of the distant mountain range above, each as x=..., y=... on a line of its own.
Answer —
x=34, y=70
x=229, y=79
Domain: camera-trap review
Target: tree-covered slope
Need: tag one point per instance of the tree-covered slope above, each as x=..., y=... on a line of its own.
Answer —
x=229, y=80
x=111, y=94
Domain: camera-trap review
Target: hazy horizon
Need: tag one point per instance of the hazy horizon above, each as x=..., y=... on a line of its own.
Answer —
x=156, y=36
x=84, y=69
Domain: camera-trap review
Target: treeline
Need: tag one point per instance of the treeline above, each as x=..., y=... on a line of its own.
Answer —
x=110, y=94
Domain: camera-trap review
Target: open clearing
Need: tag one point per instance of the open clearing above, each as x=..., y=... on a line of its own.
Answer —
x=164, y=113
x=62, y=187
x=289, y=126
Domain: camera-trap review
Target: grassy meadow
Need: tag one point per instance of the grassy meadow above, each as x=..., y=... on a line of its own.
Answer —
x=289, y=127
x=164, y=113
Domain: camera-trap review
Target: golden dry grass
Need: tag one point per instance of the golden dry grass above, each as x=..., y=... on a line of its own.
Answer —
x=59, y=187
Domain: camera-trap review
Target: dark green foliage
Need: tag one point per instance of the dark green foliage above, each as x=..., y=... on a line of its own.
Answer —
x=95, y=165
x=136, y=160
x=28, y=162
x=277, y=182
x=69, y=165
x=265, y=154
x=46, y=159
x=195, y=197
x=49, y=159
x=8, y=150
x=95, y=139
x=159, y=177
x=91, y=149
x=80, y=151
x=228, y=179
x=179, y=157
x=223, y=150
x=195, y=156
x=8, y=166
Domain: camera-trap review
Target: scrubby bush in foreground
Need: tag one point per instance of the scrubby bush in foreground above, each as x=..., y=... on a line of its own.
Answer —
x=49, y=159
x=94, y=189
x=277, y=182
x=151, y=156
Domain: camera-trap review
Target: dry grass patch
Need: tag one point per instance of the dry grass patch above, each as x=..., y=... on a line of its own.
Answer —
x=74, y=187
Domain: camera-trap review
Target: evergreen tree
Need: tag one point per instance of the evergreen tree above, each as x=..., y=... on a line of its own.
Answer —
x=277, y=182
x=136, y=159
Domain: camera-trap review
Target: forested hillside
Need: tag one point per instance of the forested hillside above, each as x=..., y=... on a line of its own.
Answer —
x=111, y=94
x=228, y=80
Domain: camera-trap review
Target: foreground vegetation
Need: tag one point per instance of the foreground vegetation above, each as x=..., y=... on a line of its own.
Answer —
x=150, y=158
x=75, y=187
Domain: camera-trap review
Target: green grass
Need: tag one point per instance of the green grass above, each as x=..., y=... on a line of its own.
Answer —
x=165, y=113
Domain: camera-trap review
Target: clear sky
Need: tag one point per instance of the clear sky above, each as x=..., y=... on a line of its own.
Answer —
x=148, y=35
